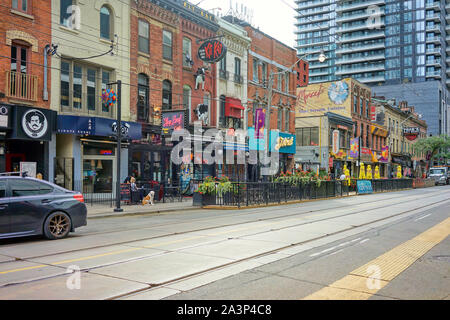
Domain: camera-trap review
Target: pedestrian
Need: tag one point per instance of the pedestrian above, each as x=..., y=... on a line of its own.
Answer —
x=134, y=188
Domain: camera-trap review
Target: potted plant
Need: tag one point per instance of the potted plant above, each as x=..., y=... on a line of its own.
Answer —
x=206, y=192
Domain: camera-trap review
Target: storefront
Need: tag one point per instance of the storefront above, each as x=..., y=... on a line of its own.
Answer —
x=26, y=137
x=86, y=150
x=284, y=144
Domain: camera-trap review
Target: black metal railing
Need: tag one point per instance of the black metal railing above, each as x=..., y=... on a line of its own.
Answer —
x=105, y=193
x=242, y=194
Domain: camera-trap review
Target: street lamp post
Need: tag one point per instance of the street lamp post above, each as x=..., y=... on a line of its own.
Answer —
x=119, y=140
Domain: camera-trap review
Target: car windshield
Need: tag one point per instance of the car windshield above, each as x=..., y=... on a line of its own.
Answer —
x=437, y=171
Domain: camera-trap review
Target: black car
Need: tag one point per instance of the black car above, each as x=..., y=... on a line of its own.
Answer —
x=30, y=206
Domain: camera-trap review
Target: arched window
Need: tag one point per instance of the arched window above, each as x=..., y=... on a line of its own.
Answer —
x=143, y=98
x=187, y=100
x=167, y=95
x=106, y=23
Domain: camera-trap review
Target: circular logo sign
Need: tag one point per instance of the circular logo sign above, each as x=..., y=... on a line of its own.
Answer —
x=212, y=51
x=34, y=124
x=338, y=92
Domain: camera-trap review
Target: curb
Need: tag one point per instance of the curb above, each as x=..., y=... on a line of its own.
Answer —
x=118, y=215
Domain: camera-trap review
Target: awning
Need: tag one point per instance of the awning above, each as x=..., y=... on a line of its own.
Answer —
x=233, y=108
x=378, y=131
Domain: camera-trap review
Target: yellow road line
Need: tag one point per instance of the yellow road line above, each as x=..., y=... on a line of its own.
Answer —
x=162, y=243
x=365, y=281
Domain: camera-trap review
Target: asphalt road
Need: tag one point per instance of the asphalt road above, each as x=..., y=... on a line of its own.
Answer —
x=312, y=250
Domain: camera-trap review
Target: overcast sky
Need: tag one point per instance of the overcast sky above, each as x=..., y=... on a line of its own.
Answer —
x=274, y=17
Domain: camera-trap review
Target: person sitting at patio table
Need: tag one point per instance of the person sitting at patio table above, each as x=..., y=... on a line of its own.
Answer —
x=134, y=188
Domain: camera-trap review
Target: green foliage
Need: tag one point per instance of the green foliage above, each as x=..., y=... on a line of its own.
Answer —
x=212, y=185
x=303, y=177
x=438, y=146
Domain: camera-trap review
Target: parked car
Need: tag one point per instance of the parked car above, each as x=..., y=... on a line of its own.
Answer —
x=440, y=175
x=31, y=206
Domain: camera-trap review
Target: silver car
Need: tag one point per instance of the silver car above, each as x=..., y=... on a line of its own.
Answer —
x=439, y=175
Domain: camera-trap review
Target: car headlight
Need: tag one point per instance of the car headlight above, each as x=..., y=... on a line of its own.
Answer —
x=442, y=178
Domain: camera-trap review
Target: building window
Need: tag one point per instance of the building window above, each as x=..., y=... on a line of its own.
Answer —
x=66, y=12
x=280, y=80
x=81, y=88
x=286, y=120
x=237, y=70
x=187, y=56
x=21, y=5
x=223, y=64
x=106, y=23
x=106, y=78
x=255, y=70
x=167, y=45
x=307, y=136
x=207, y=101
x=355, y=104
x=280, y=118
x=167, y=95
x=367, y=136
x=264, y=73
x=361, y=108
x=222, y=119
x=143, y=98
x=255, y=107
x=91, y=88
x=187, y=100
x=286, y=82
x=143, y=37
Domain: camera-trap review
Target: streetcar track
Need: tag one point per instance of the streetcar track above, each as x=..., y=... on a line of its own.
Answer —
x=165, y=252
x=434, y=194
x=153, y=286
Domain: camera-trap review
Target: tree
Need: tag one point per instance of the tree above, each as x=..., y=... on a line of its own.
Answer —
x=435, y=147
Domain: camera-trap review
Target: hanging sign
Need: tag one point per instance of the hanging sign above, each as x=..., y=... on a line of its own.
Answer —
x=212, y=51
x=335, y=147
x=411, y=133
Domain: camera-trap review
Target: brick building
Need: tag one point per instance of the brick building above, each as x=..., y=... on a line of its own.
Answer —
x=26, y=123
x=164, y=40
x=268, y=55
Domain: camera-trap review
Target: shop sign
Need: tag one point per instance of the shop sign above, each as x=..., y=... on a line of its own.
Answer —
x=364, y=186
x=212, y=51
x=384, y=154
x=106, y=152
x=282, y=142
x=411, y=133
x=330, y=162
x=365, y=151
x=101, y=127
x=318, y=99
x=335, y=140
x=174, y=120
x=4, y=116
x=33, y=123
x=373, y=112
x=354, y=148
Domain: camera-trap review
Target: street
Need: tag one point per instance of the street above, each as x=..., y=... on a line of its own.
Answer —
x=311, y=250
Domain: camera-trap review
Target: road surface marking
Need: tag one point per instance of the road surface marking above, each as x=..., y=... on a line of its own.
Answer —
x=423, y=217
x=355, y=286
x=365, y=240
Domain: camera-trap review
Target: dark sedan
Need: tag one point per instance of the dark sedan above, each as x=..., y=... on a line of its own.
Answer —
x=30, y=206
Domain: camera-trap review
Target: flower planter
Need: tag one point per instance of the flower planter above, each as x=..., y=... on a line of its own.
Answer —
x=197, y=199
x=203, y=199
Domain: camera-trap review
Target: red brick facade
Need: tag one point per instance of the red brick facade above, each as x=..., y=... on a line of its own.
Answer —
x=272, y=52
x=158, y=69
x=27, y=31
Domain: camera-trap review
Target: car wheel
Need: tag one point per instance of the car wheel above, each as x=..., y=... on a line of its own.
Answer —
x=57, y=226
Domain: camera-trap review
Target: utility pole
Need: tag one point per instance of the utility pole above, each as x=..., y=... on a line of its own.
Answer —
x=119, y=140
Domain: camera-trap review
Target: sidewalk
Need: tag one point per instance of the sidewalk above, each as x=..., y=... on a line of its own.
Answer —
x=105, y=210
